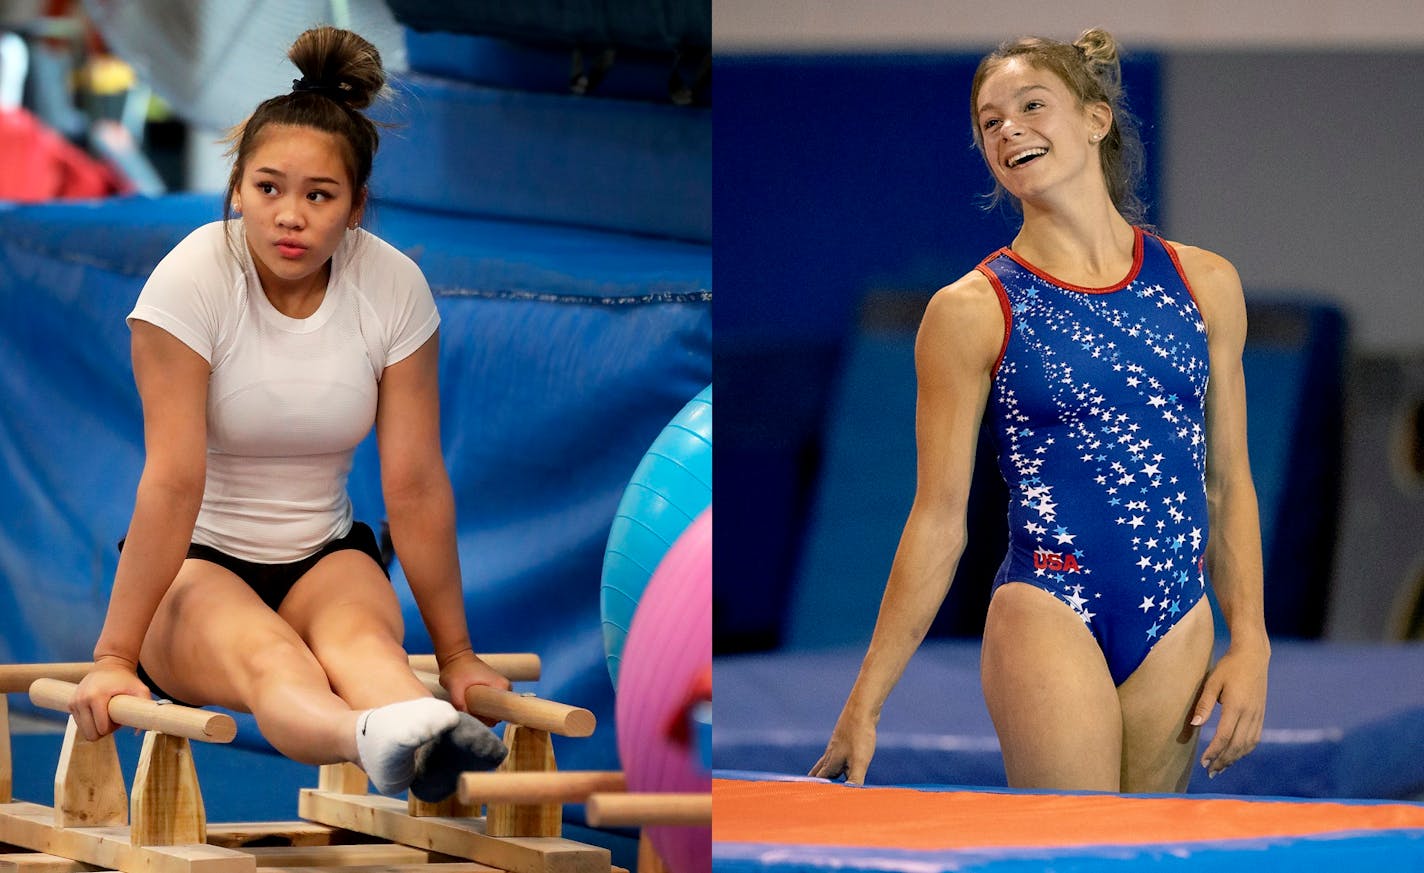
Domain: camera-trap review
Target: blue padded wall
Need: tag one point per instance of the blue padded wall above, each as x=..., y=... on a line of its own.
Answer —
x=619, y=165
x=564, y=353
x=499, y=63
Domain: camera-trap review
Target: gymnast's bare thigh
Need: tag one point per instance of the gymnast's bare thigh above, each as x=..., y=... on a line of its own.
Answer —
x=212, y=639
x=1063, y=724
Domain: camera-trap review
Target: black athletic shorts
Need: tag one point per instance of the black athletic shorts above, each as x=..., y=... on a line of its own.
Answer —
x=272, y=582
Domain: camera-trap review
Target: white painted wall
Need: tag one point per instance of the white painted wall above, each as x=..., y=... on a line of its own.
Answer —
x=1304, y=170
x=781, y=25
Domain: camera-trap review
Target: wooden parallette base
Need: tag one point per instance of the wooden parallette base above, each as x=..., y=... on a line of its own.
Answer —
x=293, y=846
x=32, y=826
x=387, y=818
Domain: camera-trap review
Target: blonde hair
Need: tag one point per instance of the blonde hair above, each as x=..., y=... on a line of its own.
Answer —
x=1091, y=69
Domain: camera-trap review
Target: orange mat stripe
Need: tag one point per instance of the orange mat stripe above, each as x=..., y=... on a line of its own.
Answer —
x=826, y=814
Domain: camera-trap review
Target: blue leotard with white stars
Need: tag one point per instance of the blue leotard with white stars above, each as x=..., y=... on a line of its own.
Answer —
x=1097, y=406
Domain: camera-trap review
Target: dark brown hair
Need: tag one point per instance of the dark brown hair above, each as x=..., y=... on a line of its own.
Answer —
x=341, y=75
x=1089, y=66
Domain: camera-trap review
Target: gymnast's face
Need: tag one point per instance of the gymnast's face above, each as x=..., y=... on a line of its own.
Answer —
x=1035, y=134
x=297, y=203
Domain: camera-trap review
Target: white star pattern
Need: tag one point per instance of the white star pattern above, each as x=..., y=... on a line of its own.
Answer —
x=1098, y=401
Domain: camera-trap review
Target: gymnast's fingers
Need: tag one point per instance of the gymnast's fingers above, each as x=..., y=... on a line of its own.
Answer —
x=1211, y=689
x=85, y=721
x=1243, y=739
x=830, y=765
x=855, y=772
x=1222, y=751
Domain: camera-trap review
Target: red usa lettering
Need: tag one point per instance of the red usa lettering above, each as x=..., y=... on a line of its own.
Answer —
x=1045, y=560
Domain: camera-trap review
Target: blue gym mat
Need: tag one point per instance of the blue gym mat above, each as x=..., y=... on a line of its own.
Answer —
x=1342, y=721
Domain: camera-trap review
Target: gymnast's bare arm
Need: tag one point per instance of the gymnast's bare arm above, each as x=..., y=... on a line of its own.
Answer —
x=959, y=341
x=1233, y=554
x=420, y=506
x=172, y=383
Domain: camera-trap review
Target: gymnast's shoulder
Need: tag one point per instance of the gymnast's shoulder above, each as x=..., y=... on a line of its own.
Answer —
x=966, y=316
x=1203, y=266
x=1212, y=279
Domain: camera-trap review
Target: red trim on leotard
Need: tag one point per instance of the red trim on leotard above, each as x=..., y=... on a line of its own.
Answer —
x=1003, y=304
x=1137, y=255
x=1172, y=253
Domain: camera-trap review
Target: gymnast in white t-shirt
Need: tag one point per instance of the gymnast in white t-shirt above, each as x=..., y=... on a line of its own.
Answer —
x=265, y=348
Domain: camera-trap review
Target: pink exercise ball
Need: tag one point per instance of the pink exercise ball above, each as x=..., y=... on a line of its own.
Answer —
x=668, y=650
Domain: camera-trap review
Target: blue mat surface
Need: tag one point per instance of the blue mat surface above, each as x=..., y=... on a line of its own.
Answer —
x=1342, y=721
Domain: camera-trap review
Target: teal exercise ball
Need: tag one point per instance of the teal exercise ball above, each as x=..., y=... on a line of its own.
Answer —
x=671, y=486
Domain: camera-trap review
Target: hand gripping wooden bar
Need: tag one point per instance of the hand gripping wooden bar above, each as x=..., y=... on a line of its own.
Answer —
x=515, y=708
x=166, y=718
x=533, y=712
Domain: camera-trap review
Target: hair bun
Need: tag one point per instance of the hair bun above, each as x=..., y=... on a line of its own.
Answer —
x=1098, y=46
x=338, y=64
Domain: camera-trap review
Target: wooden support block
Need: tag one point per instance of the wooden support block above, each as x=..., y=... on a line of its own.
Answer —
x=167, y=803
x=530, y=751
x=365, y=855
x=386, y=818
x=540, y=787
x=237, y=835
x=32, y=826
x=346, y=778
x=150, y=715
x=39, y=862
x=448, y=867
x=450, y=807
x=88, y=784
x=7, y=775
x=514, y=666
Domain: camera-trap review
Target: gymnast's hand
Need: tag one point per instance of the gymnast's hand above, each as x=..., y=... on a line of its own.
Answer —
x=464, y=670
x=110, y=677
x=849, y=750
x=1239, y=682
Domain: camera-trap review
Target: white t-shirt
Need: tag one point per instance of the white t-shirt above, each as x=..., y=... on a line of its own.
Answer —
x=289, y=398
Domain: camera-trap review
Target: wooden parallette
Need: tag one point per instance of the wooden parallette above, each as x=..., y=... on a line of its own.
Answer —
x=515, y=708
x=96, y=826
x=91, y=807
x=516, y=667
